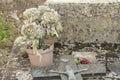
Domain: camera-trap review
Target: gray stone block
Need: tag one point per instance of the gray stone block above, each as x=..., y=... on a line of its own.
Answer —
x=85, y=22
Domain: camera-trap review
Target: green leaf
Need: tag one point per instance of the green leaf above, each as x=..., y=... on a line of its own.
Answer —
x=4, y=40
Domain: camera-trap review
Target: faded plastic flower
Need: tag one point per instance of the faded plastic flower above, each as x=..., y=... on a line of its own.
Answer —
x=49, y=17
x=54, y=32
x=58, y=27
x=40, y=32
x=84, y=60
x=31, y=14
x=38, y=24
x=19, y=40
x=29, y=30
x=43, y=9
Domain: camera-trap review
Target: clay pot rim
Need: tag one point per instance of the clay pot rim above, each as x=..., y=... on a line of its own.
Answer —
x=46, y=51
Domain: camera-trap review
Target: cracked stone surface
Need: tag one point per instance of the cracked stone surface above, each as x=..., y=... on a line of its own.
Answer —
x=15, y=65
x=8, y=5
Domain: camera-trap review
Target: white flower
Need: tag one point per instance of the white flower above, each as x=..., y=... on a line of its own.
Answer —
x=41, y=21
x=49, y=17
x=29, y=30
x=58, y=27
x=40, y=31
x=14, y=15
x=54, y=32
x=19, y=40
x=31, y=14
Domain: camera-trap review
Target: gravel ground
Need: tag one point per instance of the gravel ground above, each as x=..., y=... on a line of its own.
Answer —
x=20, y=64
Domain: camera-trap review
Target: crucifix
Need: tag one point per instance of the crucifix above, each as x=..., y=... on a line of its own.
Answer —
x=69, y=72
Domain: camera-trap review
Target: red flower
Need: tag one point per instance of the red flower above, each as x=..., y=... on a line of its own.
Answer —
x=84, y=60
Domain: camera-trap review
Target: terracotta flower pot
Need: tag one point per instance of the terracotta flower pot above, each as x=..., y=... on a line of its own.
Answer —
x=49, y=41
x=46, y=56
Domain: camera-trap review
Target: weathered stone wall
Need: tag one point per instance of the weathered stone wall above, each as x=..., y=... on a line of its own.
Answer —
x=10, y=5
x=82, y=22
x=85, y=22
x=82, y=1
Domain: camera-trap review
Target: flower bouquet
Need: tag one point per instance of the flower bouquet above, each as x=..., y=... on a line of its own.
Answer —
x=39, y=28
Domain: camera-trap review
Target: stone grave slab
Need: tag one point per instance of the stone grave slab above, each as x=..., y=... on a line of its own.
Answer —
x=114, y=67
x=95, y=69
x=41, y=73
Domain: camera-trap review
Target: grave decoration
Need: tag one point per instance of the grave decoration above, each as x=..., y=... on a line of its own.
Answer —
x=40, y=26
